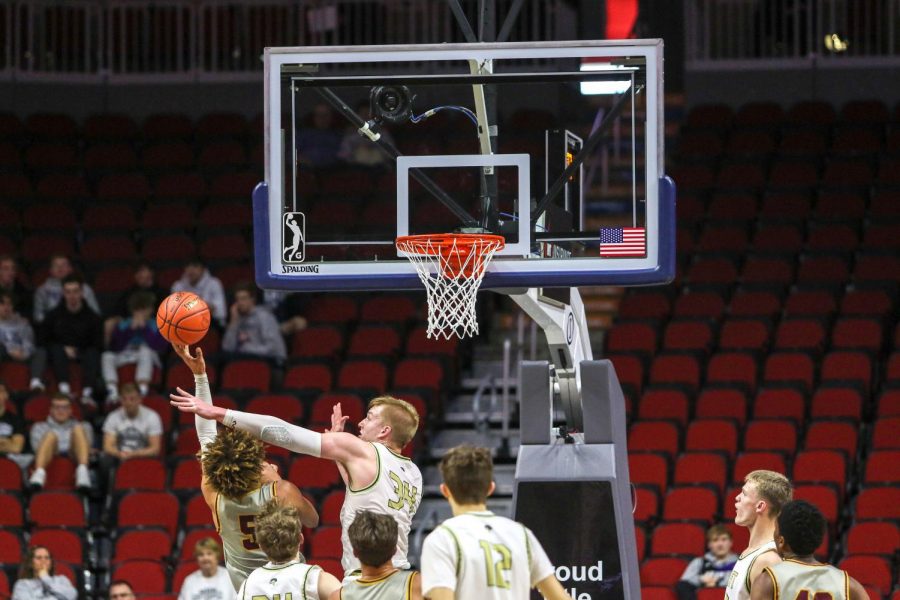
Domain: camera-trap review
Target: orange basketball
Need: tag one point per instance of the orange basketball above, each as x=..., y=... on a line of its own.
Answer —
x=183, y=318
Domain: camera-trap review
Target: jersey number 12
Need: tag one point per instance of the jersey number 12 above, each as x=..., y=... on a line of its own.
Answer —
x=496, y=567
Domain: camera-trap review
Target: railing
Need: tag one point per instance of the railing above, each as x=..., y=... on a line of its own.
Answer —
x=772, y=33
x=174, y=40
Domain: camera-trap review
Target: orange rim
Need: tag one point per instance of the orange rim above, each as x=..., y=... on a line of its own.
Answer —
x=454, y=249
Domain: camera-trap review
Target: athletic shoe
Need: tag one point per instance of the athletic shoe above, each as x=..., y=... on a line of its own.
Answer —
x=38, y=479
x=82, y=478
x=36, y=385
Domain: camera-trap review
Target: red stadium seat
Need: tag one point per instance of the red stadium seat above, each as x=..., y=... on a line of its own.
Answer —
x=873, y=537
x=664, y=404
x=140, y=474
x=308, y=377
x=810, y=303
x=149, y=508
x=330, y=509
x=780, y=403
x=866, y=302
x=629, y=370
x=632, y=337
x=733, y=368
x=11, y=547
x=869, y=570
x=712, y=435
x=649, y=592
x=836, y=403
x=197, y=513
x=889, y=403
x=833, y=435
x=646, y=504
x=338, y=310
x=767, y=270
x=325, y=543
x=662, y=571
x=64, y=544
x=824, y=497
x=425, y=373
x=878, y=503
x=707, y=305
x=283, y=406
x=247, y=374
x=11, y=513
x=388, y=309
x=644, y=305
x=821, y=466
x=352, y=406
x=882, y=466
x=320, y=342
x=186, y=476
x=10, y=475
x=374, y=341
x=150, y=544
x=57, y=509
x=759, y=304
x=649, y=469
x=680, y=539
x=145, y=576
x=789, y=367
x=694, y=503
x=807, y=335
x=363, y=374
x=700, y=468
x=721, y=403
x=660, y=436
x=744, y=334
x=747, y=462
x=191, y=538
x=682, y=370
x=307, y=472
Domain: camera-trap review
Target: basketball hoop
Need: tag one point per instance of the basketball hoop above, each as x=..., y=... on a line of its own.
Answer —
x=451, y=266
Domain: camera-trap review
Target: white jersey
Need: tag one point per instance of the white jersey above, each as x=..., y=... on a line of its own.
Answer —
x=236, y=524
x=396, y=491
x=289, y=581
x=480, y=555
x=738, y=587
x=198, y=587
x=395, y=586
x=792, y=577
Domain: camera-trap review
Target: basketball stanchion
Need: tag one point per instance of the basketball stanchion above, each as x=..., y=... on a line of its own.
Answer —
x=451, y=266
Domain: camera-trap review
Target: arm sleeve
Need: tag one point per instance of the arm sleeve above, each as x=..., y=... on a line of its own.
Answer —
x=692, y=572
x=277, y=432
x=206, y=429
x=27, y=338
x=540, y=567
x=439, y=561
x=276, y=341
x=62, y=586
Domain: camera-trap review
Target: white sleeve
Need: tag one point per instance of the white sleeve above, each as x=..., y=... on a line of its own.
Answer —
x=540, y=567
x=441, y=560
x=206, y=429
x=277, y=432
x=312, y=584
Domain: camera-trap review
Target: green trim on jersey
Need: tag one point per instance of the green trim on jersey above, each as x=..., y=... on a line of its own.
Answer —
x=283, y=566
x=377, y=474
x=458, y=548
x=400, y=456
x=747, y=582
x=527, y=545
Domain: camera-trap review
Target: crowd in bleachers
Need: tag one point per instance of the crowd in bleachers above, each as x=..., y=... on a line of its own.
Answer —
x=127, y=214
x=776, y=347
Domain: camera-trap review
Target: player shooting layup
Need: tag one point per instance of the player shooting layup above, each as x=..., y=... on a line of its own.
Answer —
x=237, y=482
x=798, y=532
x=757, y=507
x=377, y=476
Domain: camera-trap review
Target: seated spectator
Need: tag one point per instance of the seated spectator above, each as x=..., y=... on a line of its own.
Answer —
x=121, y=590
x=16, y=334
x=71, y=331
x=133, y=340
x=144, y=281
x=36, y=578
x=358, y=149
x=131, y=431
x=318, y=145
x=62, y=434
x=199, y=280
x=12, y=428
x=710, y=570
x=286, y=306
x=209, y=581
x=252, y=330
x=49, y=293
x=12, y=283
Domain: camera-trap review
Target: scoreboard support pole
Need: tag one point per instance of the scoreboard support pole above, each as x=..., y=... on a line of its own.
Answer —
x=573, y=489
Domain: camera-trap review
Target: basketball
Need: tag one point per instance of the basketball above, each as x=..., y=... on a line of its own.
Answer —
x=183, y=318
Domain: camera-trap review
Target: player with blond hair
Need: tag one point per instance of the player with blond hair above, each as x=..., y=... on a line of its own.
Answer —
x=757, y=507
x=237, y=481
x=378, y=477
x=279, y=533
x=475, y=553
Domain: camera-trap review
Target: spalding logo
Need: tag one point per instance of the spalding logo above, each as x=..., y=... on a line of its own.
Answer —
x=191, y=304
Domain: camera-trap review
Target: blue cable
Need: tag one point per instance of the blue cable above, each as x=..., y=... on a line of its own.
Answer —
x=436, y=109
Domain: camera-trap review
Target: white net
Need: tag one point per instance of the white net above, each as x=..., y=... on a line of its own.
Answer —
x=451, y=267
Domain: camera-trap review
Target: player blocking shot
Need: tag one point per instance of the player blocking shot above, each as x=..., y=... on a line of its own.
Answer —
x=286, y=575
x=377, y=476
x=799, y=530
x=475, y=553
x=237, y=482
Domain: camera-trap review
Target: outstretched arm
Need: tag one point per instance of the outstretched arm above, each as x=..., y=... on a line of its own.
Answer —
x=291, y=495
x=339, y=446
x=551, y=589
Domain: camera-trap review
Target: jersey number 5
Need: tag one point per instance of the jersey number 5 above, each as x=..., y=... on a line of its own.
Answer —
x=807, y=595
x=248, y=528
x=406, y=494
x=495, y=567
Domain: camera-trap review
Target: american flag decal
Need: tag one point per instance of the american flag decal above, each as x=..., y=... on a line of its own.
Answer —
x=617, y=242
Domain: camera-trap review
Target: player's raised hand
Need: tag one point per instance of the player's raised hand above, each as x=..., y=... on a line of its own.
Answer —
x=195, y=363
x=186, y=402
x=337, y=419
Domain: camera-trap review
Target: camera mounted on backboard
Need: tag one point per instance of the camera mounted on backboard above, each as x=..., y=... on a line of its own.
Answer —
x=390, y=103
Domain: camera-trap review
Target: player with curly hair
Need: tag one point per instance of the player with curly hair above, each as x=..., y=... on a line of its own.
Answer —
x=798, y=532
x=238, y=482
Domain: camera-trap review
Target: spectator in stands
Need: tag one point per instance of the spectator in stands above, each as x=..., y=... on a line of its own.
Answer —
x=121, y=590
x=49, y=293
x=61, y=434
x=12, y=428
x=10, y=282
x=318, y=145
x=209, y=582
x=144, y=281
x=36, y=578
x=71, y=331
x=131, y=431
x=199, y=280
x=710, y=570
x=358, y=149
x=133, y=340
x=286, y=307
x=252, y=330
x=16, y=334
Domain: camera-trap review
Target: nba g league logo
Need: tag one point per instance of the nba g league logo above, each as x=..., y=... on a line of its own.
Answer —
x=293, y=237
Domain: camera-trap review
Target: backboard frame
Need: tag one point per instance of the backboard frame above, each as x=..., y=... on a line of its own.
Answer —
x=656, y=268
